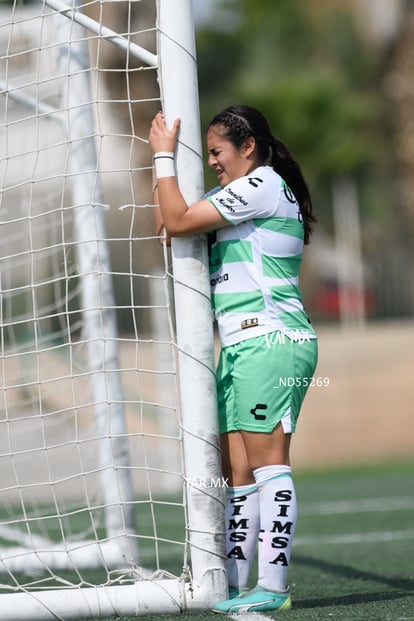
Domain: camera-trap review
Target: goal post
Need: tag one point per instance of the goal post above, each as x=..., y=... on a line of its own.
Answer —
x=178, y=83
x=111, y=492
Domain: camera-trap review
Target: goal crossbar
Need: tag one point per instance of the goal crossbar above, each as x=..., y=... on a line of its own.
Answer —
x=104, y=32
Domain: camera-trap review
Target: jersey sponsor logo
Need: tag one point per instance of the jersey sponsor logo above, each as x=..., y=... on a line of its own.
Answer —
x=249, y=323
x=215, y=264
x=226, y=204
x=237, y=197
x=219, y=280
x=232, y=201
x=289, y=194
x=292, y=199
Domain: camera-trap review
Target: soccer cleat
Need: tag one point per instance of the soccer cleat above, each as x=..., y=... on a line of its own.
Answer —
x=237, y=592
x=255, y=600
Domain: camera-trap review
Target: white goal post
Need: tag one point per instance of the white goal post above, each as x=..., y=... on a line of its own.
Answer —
x=111, y=495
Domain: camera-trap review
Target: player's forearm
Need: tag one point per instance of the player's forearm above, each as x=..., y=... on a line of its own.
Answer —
x=156, y=211
x=158, y=223
x=173, y=207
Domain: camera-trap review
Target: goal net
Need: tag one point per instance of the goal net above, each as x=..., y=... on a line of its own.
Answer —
x=110, y=488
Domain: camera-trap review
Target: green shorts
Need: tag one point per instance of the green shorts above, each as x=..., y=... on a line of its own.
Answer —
x=262, y=381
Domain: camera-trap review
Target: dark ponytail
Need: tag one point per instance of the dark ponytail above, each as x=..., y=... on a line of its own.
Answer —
x=284, y=164
x=241, y=122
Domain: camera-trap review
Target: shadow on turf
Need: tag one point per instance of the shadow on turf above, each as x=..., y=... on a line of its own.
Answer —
x=402, y=586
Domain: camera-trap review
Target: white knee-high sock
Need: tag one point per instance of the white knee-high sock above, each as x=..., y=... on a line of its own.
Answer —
x=278, y=515
x=242, y=531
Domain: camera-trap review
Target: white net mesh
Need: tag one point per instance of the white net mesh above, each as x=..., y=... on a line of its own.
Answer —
x=91, y=475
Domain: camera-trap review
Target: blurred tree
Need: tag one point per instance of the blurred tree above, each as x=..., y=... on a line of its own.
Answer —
x=401, y=92
x=315, y=78
x=399, y=86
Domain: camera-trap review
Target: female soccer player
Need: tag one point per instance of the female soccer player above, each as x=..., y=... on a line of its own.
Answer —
x=258, y=221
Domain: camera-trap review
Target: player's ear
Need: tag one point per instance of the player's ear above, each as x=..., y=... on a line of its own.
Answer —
x=248, y=146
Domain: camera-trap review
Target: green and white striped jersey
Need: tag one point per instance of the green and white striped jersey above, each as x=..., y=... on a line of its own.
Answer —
x=255, y=262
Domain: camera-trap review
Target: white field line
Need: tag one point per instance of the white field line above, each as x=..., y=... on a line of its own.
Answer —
x=247, y=616
x=364, y=505
x=372, y=537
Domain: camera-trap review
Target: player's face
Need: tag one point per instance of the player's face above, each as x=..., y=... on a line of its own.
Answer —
x=229, y=162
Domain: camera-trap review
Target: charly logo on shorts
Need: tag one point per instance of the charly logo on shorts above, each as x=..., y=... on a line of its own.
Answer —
x=259, y=407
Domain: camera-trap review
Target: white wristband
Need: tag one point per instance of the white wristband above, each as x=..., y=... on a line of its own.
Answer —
x=164, y=164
